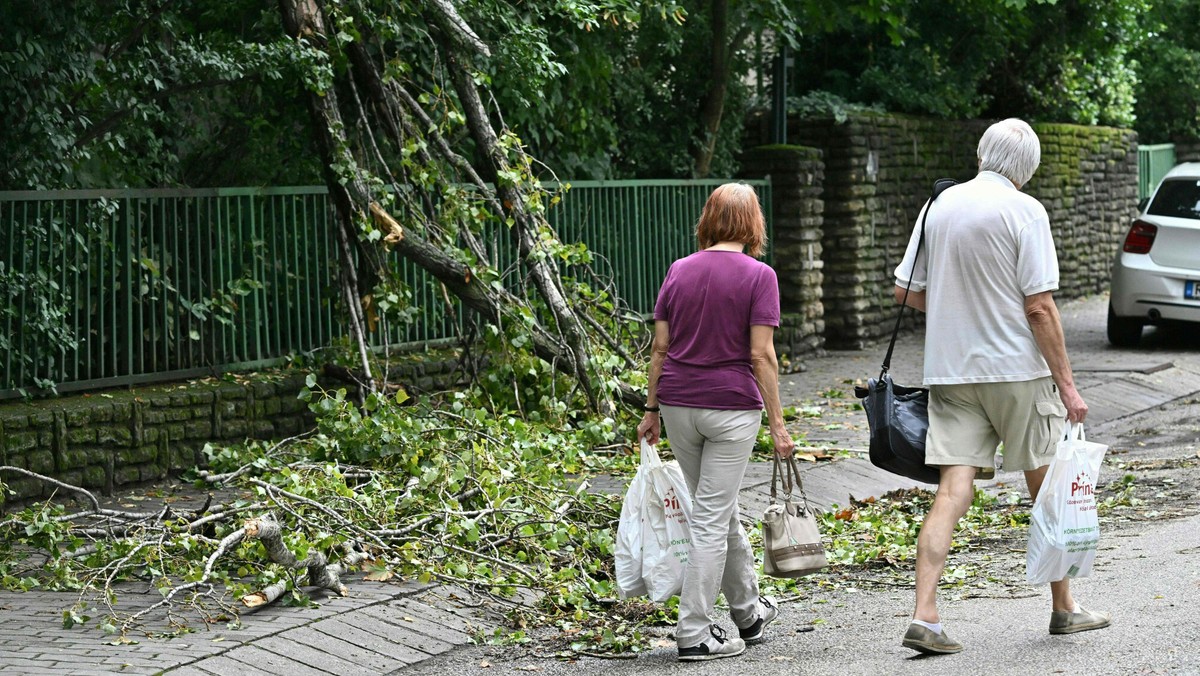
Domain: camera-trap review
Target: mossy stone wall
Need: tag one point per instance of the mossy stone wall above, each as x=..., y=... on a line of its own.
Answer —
x=107, y=440
x=797, y=177
x=879, y=170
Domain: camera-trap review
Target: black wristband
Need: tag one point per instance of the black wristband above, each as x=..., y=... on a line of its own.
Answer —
x=650, y=409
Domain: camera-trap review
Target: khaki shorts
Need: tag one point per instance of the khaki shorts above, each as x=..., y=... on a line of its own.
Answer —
x=967, y=423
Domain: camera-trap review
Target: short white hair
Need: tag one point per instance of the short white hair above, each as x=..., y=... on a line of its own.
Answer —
x=1010, y=148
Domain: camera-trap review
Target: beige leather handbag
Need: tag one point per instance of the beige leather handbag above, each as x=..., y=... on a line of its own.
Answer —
x=791, y=541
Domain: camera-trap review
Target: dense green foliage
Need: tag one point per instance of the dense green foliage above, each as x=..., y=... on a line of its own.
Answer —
x=139, y=93
x=1168, y=67
x=1046, y=60
x=136, y=93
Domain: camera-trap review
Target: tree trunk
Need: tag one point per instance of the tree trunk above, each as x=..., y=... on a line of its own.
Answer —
x=712, y=108
x=566, y=344
x=526, y=226
x=303, y=18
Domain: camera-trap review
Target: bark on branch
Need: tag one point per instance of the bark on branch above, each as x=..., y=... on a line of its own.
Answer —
x=321, y=573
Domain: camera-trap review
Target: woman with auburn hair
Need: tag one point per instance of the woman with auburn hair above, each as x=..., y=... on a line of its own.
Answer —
x=712, y=370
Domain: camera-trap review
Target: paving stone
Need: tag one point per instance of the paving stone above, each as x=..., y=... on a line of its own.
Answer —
x=367, y=660
x=307, y=654
x=128, y=662
x=223, y=666
x=23, y=665
x=187, y=670
x=268, y=661
x=33, y=666
x=454, y=599
x=442, y=615
x=368, y=638
x=402, y=635
x=414, y=619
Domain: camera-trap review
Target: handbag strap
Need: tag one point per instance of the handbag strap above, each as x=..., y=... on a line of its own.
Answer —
x=775, y=481
x=938, y=187
x=791, y=480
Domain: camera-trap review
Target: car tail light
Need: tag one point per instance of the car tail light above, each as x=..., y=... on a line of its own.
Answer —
x=1140, y=237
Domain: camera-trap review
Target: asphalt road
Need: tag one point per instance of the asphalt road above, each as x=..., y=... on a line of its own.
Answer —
x=1149, y=581
x=1147, y=573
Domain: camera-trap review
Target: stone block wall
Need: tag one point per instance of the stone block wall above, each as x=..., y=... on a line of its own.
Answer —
x=879, y=170
x=1088, y=183
x=1187, y=150
x=797, y=176
x=104, y=441
x=107, y=440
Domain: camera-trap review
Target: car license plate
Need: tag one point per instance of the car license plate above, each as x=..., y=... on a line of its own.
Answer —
x=1191, y=290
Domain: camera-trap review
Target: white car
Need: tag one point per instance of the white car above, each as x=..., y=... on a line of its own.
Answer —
x=1156, y=274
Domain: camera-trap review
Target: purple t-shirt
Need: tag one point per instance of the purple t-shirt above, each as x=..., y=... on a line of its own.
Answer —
x=710, y=300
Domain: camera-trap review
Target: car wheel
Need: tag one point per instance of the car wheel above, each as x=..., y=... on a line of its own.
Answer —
x=1124, y=331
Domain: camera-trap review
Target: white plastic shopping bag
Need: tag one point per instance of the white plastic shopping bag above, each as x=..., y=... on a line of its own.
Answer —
x=1064, y=528
x=653, y=536
x=629, y=536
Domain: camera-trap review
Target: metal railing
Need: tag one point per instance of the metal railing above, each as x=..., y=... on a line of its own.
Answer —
x=1154, y=161
x=636, y=229
x=118, y=287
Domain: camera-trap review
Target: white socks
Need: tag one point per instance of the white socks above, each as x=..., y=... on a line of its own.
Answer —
x=931, y=626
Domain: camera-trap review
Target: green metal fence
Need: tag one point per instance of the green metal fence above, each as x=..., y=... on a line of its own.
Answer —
x=157, y=284
x=1154, y=162
x=636, y=229
x=117, y=287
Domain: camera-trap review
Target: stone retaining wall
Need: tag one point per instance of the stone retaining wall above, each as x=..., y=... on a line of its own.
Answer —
x=879, y=170
x=1187, y=150
x=797, y=176
x=107, y=440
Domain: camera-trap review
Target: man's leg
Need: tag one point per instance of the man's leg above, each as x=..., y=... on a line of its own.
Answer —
x=954, y=495
x=1060, y=592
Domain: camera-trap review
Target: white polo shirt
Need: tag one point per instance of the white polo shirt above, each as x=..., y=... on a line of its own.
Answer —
x=987, y=247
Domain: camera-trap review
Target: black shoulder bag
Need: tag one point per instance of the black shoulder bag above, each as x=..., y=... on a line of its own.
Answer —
x=897, y=415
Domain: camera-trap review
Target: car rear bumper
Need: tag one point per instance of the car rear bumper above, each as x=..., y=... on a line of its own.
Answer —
x=1142, y=289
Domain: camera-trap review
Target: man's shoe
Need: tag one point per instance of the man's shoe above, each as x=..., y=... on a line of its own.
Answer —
x=755, y=632
x=714, y=648
x=1063, y=622
x=923, y=640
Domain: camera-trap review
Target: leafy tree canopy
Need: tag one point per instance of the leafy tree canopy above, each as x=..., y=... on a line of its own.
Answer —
x=1168, y=91
x=1055, y=60
x=140, y=92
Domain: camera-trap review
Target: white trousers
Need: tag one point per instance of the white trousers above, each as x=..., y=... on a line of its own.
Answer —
x=713, y=447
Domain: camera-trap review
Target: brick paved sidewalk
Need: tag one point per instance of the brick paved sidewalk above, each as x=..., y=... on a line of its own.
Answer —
x=376, y=629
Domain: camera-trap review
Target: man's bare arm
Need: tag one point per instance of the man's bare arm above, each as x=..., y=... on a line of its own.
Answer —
x=1046, y=324
x=916, y=299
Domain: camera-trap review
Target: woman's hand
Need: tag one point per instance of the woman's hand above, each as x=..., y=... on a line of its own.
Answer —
x=650, y=428
x=782, y=441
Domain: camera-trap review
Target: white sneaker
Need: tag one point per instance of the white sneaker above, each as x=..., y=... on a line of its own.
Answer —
x=714, y=648
x=768, y=613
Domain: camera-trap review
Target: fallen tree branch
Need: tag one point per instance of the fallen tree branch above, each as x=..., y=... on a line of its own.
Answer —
x=276, y=490
x=321, y=573
x=55, y=482
x=228, y=541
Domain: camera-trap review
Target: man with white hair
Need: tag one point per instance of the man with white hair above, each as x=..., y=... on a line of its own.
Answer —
x=995, y=360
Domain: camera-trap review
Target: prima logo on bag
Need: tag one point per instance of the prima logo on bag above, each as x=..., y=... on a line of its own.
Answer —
x=671, y=501
x=1082, y=485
